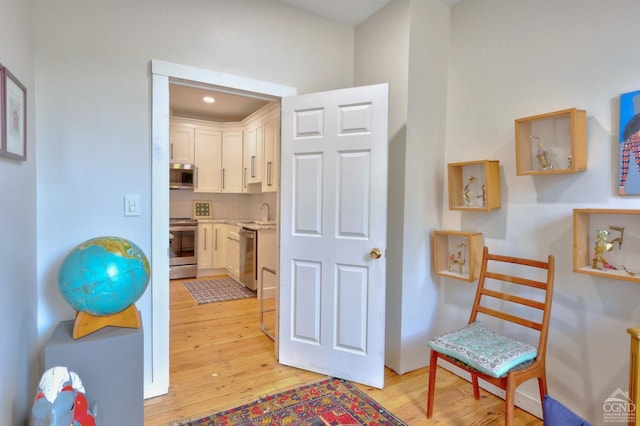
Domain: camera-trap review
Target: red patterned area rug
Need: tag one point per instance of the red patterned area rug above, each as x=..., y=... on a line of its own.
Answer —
x=329, y=402
x=217, y=290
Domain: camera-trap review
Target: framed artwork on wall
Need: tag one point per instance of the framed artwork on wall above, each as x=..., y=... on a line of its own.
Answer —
x=14, y=117
x=629, y=144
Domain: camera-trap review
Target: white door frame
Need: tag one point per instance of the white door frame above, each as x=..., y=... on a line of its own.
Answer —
x=162, y=73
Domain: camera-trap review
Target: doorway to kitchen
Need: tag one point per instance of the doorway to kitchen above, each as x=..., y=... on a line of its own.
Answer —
x=163, y=75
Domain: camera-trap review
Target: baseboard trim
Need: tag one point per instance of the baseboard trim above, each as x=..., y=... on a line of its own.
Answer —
x=523, y=401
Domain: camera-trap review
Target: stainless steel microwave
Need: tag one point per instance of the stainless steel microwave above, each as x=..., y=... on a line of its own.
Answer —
x=181, y=176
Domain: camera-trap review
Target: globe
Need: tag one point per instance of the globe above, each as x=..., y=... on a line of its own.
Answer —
x=103, y=276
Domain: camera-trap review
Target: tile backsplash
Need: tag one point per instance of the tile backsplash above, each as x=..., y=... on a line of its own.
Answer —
x=225, y=206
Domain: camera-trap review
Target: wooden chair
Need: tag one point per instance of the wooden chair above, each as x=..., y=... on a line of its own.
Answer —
x=504, y=305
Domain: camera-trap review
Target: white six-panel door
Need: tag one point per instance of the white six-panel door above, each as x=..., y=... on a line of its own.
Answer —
x=333, y=216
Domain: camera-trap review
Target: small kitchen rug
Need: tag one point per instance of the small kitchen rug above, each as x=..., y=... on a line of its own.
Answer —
x=329, y=402
x=217, y=290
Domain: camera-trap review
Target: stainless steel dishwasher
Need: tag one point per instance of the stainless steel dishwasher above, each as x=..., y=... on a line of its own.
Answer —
x=248, y=257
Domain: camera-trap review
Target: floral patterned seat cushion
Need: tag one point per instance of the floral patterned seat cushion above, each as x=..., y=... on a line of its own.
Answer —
x=483, y=349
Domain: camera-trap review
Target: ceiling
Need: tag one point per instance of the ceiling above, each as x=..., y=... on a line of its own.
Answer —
x=186, y=101
x=350, y=12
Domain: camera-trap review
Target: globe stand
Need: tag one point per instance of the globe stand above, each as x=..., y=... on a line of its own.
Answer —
x=86, y=323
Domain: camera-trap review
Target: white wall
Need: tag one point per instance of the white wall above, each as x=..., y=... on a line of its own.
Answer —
x=18, y=254
x=93, y=83
x=382, y=56
x=406, y=44
x=517, y=58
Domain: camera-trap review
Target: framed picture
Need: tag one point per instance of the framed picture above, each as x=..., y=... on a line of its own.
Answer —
x=14, y=117
x=629, y=144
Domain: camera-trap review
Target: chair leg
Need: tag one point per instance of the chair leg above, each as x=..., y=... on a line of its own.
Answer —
x=433, y=367
x=509, y=403
x=476, y=388
x=542, y=385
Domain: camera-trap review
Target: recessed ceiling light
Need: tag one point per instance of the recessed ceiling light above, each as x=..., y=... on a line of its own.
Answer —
x=208, y=99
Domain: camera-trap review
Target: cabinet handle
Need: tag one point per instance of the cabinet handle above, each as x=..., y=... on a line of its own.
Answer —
x=269, y=173
x=244, y=178
x=222, y=178
x=171, y=151
x=216, y=242
x=253, y=167
x=205, y=238
x=196, y=183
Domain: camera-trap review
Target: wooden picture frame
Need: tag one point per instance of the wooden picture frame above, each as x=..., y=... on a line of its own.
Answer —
x=14, y=117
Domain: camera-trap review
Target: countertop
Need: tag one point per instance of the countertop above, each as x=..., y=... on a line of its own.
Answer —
x=245, y=223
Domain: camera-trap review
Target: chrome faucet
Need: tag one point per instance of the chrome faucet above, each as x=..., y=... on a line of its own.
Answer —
x=269, y=218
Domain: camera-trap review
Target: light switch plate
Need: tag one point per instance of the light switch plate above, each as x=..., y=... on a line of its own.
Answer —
x=132, y=205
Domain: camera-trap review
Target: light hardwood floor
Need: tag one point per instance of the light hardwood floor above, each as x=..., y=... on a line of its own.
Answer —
x=219, y=358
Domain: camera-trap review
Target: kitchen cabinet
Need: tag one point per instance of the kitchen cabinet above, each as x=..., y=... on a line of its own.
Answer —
x=220, y=245
x=252, y=159
x=208, y=160
x=233, y=252
x=212, y=243
x=205, y=246
x=270, y=151
x=232, y=161
x=181, y=144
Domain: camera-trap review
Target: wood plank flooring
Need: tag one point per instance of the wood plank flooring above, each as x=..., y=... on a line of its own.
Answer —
x=219, y=358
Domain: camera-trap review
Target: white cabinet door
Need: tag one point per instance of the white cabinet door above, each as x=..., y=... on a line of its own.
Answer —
x=181, y=148
x=205, y=245
x=252, y=161
x=233, y=257
x=208, y=160
x=232, y=161
x=271, y=148
x=334, y=192
x=220, y=245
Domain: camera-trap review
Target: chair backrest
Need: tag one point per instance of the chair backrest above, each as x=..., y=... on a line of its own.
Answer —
x=507, y=300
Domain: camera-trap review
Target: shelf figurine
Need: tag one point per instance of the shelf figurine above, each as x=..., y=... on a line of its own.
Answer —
x=466, y=192
x=601, y=247
x=457, y=262
x=542, y=155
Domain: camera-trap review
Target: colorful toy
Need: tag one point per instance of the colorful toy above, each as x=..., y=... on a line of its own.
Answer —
x=61, y=401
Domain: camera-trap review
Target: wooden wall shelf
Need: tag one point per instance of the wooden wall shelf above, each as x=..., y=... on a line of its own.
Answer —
x=474, y=185
x=552, y=143
x=457, y=254
x=622, y=254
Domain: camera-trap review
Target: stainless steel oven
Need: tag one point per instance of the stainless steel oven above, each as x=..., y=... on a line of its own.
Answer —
x=183, y=248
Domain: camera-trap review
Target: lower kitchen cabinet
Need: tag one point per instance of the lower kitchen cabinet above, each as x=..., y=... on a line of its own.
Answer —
x=212, y=242
x=233, y=252
x=220, y=245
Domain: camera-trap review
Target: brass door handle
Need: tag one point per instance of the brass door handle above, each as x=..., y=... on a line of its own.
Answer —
x=375, y=253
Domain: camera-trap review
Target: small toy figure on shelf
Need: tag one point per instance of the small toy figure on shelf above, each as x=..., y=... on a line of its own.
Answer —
x=602, y=246
x=466, y=192
x=457, y=262
x=542, y=155
x=483, y=196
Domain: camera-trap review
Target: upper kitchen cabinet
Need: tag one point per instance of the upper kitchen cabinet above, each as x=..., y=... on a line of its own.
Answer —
x=270, y=151
x=252, y=162
x=181, y=149
x=208, y=160
x=232, y=161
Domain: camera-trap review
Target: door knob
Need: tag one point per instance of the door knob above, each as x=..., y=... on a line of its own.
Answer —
x=375, y=253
